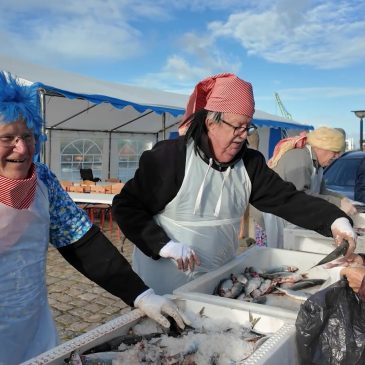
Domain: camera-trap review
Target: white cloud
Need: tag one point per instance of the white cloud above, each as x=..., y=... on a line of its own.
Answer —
x=328, y=35
x=75, y=30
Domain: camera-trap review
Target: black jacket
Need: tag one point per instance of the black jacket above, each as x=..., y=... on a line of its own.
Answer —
x=159, y=178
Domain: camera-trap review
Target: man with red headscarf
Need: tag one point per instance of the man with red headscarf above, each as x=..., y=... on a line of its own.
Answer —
x=184, y=205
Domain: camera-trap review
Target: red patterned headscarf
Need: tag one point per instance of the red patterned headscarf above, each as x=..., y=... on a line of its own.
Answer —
x=220, y=93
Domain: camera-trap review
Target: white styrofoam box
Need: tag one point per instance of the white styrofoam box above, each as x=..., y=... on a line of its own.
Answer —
x=300, y=239
x=261, y=258
x=279, y=349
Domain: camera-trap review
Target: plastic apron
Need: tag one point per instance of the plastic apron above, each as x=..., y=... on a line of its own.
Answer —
x=275, y=225
x=26, y=325
x=205, y=215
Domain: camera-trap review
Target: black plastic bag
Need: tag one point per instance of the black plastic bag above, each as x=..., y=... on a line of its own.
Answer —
x=330, y=327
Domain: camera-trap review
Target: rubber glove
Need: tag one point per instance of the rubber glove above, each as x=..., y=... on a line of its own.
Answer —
x=348, y=207
x=156, y=306
x=342, y=230
x=182, y=254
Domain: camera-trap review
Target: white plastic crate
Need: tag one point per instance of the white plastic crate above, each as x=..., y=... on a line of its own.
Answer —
x=261, y=258
x=300, y=239
x=279, y=349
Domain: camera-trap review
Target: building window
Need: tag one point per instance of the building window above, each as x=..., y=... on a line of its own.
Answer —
x=80, y=153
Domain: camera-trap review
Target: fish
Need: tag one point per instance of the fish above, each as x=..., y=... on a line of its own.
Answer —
x=282, y=268
x=307, y=283
x=340, y=250
x=75, y=359
x=296, y=294
x=253, y=283
x=284, y=276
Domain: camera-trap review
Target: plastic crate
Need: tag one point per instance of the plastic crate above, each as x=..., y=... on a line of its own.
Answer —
x=262, y=258
x=300, y=239
x=279, y=349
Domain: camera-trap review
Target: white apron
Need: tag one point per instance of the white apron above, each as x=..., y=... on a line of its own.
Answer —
x=205, y=215
x=274, y=225
x=26, y=325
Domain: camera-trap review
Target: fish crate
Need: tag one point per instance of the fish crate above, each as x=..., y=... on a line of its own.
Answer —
x=300, y=239
x=262, y=258
x=279, y=349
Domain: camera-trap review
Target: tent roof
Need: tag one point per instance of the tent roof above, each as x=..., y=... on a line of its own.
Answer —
x=76, y=102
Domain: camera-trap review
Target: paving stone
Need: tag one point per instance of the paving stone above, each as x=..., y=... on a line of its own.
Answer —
x=78, y=304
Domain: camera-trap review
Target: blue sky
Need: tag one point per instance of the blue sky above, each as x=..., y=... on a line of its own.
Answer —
x=311, y=52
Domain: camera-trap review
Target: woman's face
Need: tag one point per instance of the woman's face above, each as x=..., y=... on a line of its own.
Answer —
x=225, y=140
x=16, y=154
x=325, y=157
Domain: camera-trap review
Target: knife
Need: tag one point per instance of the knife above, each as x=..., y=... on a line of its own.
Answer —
x=340, y=250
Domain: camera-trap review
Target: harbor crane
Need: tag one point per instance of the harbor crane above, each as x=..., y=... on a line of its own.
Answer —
x=282, y=108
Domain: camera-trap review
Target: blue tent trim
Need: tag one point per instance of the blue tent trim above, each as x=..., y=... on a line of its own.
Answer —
x=117, y=103
x=276, y=124
x=120, y=104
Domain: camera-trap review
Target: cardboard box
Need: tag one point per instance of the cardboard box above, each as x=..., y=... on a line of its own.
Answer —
x=279, y=349
x=262, y=258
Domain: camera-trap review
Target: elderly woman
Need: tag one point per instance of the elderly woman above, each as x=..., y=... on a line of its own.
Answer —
x=184, y=205
x=34, y=211
x=301, y=160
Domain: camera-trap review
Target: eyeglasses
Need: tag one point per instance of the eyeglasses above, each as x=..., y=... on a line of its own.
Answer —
x=239, y=130
x=11, y=140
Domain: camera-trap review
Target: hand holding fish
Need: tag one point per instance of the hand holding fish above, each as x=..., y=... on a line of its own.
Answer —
x=342, y=230
x=156, y=306
x=182, y=254
x=352, y=260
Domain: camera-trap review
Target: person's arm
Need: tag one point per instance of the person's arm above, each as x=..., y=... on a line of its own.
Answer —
x=156, y=182
x=99, y=260
x=271, y=194
x=91, y=253
x=360, y=183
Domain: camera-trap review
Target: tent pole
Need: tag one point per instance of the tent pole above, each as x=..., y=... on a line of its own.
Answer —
x=110, y=145
x=163, y=125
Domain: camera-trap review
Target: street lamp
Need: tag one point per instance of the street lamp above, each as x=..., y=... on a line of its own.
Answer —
x=360, y=114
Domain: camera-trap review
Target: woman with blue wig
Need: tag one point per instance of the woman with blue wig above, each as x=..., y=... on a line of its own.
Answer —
x=34, y=211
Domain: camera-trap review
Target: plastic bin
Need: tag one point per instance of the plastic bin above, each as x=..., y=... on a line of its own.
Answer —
x=300, y=239
x=279, y=349
x=262, y=258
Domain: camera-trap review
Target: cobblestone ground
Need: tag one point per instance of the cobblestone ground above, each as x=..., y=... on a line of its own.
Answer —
x=77, y=303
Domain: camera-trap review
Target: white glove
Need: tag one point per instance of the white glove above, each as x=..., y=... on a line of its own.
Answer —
x=342, y=230
x=348, y=207
x=182, y=254
x=154, y=306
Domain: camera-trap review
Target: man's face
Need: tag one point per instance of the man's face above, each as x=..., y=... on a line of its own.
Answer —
x=16, y=154
x=227, y=137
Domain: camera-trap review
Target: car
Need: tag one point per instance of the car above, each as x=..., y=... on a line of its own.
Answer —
x=340, y=175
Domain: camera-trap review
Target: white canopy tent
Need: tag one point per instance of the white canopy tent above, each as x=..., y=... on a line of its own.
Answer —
x=106, y=126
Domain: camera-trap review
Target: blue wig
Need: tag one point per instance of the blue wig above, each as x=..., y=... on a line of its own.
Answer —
x=20, y=102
